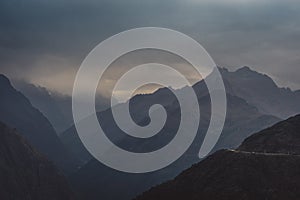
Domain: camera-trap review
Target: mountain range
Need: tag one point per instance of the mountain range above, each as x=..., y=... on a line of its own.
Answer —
x=242, y=120
x=256, y=88
x=265, y=166
x=254, y=102
x=236, y=83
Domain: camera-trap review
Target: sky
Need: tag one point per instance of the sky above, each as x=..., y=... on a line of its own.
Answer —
x=44, y=42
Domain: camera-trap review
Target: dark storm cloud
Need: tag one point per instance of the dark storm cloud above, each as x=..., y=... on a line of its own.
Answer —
x=45, y=41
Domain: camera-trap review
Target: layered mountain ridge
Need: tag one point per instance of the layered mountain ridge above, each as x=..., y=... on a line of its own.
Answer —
x=256, y=88
x=242, y=120
x=254, y=103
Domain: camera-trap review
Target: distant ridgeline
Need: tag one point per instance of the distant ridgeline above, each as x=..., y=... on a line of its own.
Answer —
x=257, y=89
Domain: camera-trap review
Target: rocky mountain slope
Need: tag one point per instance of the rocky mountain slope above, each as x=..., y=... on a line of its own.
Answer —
x=265, y=166
x=262, y=92
x=16, y=111
x=283, y=137
x=25, y=174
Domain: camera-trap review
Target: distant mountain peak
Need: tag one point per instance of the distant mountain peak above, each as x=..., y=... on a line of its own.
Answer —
x=223, y=69
x=260, y=90
x=247, y=70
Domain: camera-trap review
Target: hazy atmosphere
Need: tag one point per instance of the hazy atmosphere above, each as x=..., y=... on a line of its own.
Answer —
x=149, y=99
x=44, y=42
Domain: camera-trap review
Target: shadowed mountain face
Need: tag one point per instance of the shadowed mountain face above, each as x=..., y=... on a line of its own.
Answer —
x=17, y=112
x=260, y=91
x=95, y=180
x=242, y=116
x=25, y=174
x=54, y=107
x=250, y=172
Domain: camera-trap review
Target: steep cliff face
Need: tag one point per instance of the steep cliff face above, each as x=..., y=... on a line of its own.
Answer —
x=25, y=174
x=265, y=166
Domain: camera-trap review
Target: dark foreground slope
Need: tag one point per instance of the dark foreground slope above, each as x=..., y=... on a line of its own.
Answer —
x=246, y=173
x=25, y=174
x=234, y=175
x=284, y=137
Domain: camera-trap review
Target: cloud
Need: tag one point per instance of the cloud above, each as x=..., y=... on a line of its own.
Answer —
x=44, y=42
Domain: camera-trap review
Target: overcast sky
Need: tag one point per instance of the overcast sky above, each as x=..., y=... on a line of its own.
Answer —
x=44, y=42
